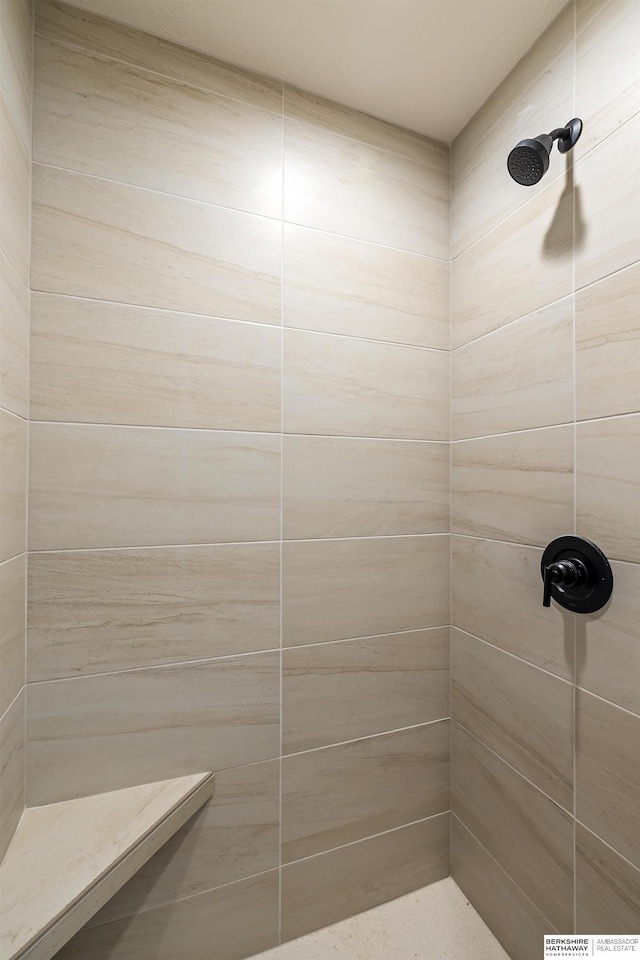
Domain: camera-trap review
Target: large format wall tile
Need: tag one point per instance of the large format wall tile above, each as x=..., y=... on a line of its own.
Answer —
x=518, y=486
x=346, y=387
x=608, y=773
x=517, y=377
x=608, y=643
x=112, y=363
x=511, y=916
x=79, y=28
x=346, y=881
x=528, y=72
x=236, y=835
x=518, y=711
x=344, y=793
x=310, y=108
x=341, y=589
x=523, y=264
x=608, y=354
x=11, y=770
x=334, y=183
x=13, y=485
x=111, y=241
x=241, y=919
x=340, y=285
x=607, y=888
x=356, y=488
x=16, y=63
x=608, y=485
x=608, y=205
x=332, y=692
x=12, y=630
x=15, y=179
x=98, y=611
x=497, y=586
x=528, y=834
x=92, y=734
x=171, y=137
x=103, y=486
x=607, y=78
x=483, y=193
x=14, y=338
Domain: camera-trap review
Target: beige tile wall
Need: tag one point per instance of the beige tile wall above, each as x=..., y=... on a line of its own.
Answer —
x=545, y=404
x=240, y=382
x=16, y=63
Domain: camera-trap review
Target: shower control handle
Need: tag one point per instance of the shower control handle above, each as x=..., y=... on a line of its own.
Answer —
x=576, y=574
x=566, y=573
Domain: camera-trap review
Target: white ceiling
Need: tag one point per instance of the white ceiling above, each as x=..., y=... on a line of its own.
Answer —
x=425, y=64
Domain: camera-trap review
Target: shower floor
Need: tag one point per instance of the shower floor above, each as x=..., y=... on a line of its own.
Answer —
x=435, y=923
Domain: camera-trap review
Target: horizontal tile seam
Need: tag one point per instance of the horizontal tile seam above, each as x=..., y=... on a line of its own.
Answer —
x=247, y=213
x=26, y=421
x=224, y=431
x=530, y=546
x=26, y=148
x=373, y=836
x=21, y=692
x=369, y=636
x=16, y=556
x=222, y=543
x=629, y=863
x=537, y=909
x=93, y=52
x=606, y=276
x=610, y=703
x=163, y=904
x=182, y=314
x=510, y=433
x=226, y=543
x=227, y=656
x=170, y=665
x=456, y=723
x=575, y=168
x=511, y=323
x=351, y=236
x=365, y=143
x=512, y=101
x=370, y=736
x=9, y=263
x=137, y=186
x=514, y=656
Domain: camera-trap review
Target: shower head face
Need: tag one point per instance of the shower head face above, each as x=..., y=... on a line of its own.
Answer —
x=529, y=161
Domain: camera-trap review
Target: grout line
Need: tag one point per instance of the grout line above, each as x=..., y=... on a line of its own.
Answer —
x=370, y=736
x=372, y=636
x=373, y=836
x=16, y=556
x=550, y=426
x=198, y=661
x=12, y=413
x=234, y=543
x=451, y=385
x=575, y=477
x=222, y=430
x=20, y=692
x=608, y=845
x=521, y=775
x=281, y=588
x=221, y=206
x=609, y=703
x=97, y=54
x=366, y=143
x=552, y=929
x=510, y=323
x=515, y=656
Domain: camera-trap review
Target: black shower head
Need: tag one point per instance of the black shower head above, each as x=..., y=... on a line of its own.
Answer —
x=529, y=160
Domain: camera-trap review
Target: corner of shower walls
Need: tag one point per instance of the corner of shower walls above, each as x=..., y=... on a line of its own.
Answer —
x=16, y=36
x=273, y=344
x=545, y=434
